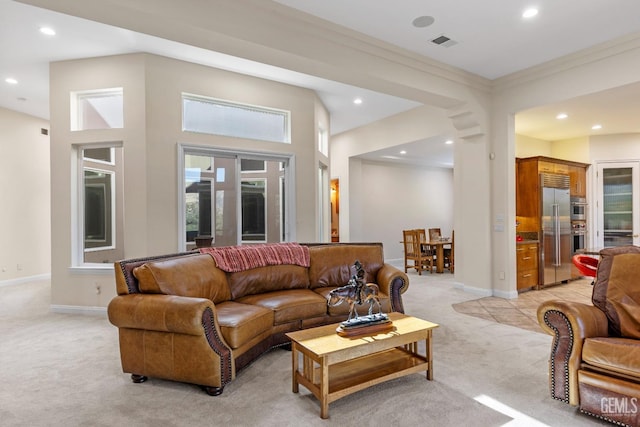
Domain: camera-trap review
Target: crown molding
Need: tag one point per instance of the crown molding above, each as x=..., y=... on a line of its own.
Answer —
x=565, y=63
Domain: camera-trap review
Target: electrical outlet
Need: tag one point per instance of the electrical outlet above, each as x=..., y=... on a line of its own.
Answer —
x=98, y=289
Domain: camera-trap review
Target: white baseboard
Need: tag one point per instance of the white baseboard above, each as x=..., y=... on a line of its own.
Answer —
x=505, y=294
x=486, y=292
x=473, y=290
x=27, y=279
x=79, y=309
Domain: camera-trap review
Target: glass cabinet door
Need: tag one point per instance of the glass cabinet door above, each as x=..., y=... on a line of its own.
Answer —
x=617, y=205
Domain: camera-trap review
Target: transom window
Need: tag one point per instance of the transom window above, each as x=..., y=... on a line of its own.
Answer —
x=218, y=117
x=97, y=109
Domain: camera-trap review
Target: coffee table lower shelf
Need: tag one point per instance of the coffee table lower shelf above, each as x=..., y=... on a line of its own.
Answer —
x=354, y=375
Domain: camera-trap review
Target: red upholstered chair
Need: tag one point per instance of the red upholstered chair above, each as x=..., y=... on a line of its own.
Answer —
x=586, y=265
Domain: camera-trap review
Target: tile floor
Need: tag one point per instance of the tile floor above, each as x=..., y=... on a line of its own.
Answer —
x=521, y=311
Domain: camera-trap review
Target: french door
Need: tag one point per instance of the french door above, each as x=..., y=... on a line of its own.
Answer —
x=234, y=198
x=617, y=204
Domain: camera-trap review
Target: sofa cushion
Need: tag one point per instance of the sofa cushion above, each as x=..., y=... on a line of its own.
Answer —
x=343, y=308
x=239, y=323
x=289, y=305
x=189, y=276
x=622, y=299
x=267, y=279
x=331, y=265
x=620, y=355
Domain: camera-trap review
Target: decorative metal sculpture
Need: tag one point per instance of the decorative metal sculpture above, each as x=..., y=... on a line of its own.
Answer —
x=357, y=292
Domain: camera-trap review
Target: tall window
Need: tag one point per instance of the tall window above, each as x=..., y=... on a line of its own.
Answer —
x=100, y=204
x=234, y=198
x=323, y=141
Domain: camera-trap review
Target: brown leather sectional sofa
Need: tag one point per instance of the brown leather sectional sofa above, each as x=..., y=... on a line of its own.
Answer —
x=595, y=355
x=182, y=318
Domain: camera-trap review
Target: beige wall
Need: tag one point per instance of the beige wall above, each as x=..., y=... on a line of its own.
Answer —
x=25, y=224
x=575, y=149
x=527, y=146
x=152, y=130
x=413, y=125
x=620, y=147
x=409, y=197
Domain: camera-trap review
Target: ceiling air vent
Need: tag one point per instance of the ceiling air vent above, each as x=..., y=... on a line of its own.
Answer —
x=444, y=41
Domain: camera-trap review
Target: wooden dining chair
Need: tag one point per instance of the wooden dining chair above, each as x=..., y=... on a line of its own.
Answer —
x=434, y=234
x=421, y=259
x=424, y=243
x=449, y=253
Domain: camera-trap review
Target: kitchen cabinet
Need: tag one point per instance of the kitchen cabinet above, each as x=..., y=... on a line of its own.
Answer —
x=552, y=166
x=527, y=266
x=578, y=181
x=528, y=172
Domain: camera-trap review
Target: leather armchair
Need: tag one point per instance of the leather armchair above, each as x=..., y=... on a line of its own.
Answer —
x=595, y=355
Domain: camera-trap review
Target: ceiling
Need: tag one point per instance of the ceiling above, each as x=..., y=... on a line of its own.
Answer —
x=491, y=40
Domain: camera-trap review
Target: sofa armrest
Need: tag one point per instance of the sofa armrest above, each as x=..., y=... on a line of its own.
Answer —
x=393, y=282
x=157, y=312
x=569, y=323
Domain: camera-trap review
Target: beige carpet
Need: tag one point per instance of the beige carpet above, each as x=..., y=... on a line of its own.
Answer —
x=64, y=370
x=521, y=311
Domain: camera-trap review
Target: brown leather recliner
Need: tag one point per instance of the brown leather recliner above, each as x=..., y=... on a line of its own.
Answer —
x=595, y=355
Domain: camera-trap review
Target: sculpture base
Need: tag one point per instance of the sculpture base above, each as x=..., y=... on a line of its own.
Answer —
x=365, y=325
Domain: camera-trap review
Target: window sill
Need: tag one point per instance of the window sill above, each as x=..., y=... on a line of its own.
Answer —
x=92, y=269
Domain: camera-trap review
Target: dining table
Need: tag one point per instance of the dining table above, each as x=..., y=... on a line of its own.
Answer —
x=439, y=244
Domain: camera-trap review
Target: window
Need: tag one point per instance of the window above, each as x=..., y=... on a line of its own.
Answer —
x=97, y=109
x=323, y=141
x=253, y=196
x=251, y=165
x=220, y=200
x=99, y=200
x=216, y=117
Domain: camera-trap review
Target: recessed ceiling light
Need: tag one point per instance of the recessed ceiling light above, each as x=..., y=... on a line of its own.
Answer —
x=357, y=101
x=423, y=21
x=403, y=152
x=11, y=81
x=596, y=127
x=48, y=31
x=530, y=13
x=448, y=142
x=562, y=116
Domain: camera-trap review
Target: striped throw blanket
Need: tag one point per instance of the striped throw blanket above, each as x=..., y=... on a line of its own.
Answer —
x=239, y=258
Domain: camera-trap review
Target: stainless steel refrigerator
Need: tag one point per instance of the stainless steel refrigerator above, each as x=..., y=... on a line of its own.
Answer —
x=555, y=263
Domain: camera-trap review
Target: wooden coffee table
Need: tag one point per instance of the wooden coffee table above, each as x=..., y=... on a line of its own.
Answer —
x=334, y=367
